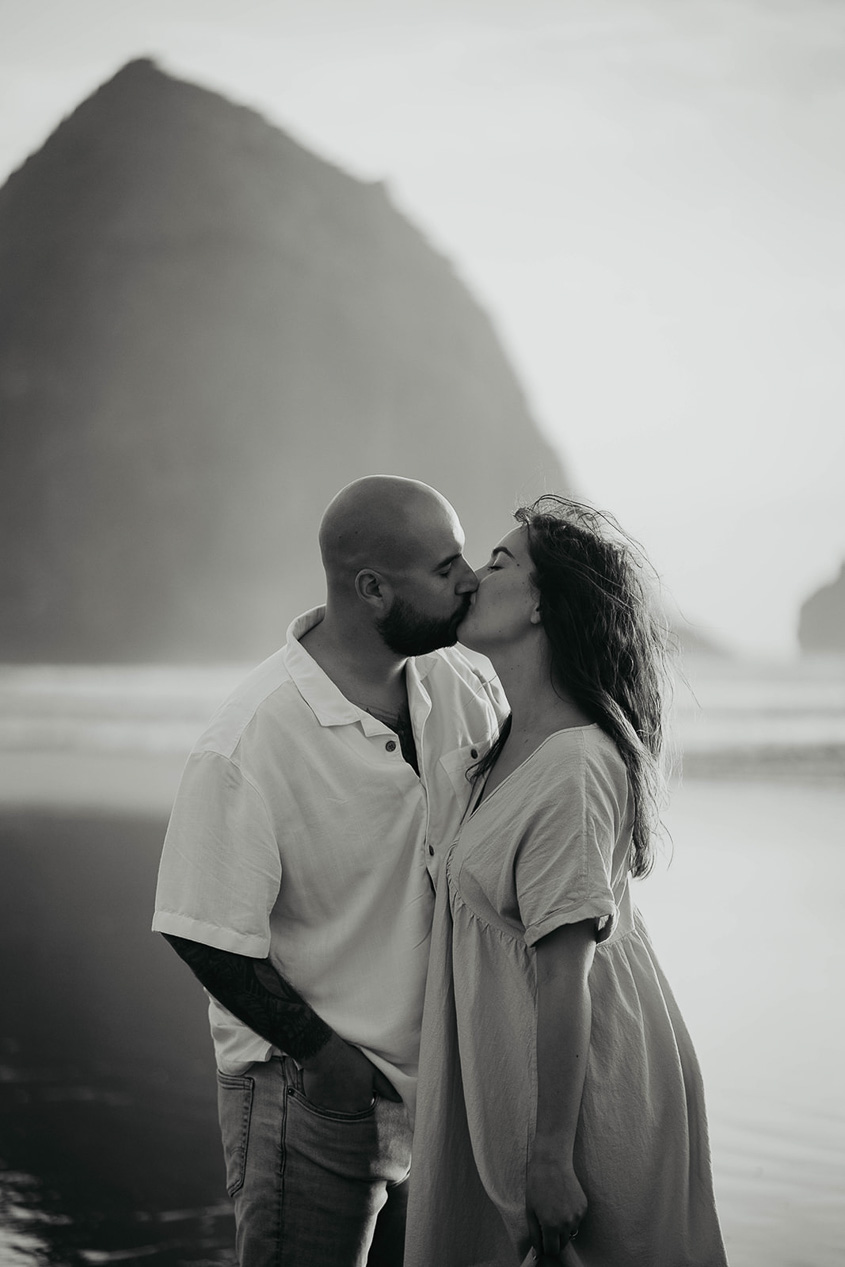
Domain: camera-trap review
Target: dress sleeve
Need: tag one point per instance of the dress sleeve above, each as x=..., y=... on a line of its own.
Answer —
x=220, y=869
x=563, y=864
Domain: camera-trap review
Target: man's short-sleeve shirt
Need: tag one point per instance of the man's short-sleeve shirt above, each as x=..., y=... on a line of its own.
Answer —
x=300, y=832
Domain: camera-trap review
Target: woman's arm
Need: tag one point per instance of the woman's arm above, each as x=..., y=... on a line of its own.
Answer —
x=555, y=1200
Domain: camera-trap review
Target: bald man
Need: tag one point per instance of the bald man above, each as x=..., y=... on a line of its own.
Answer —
x=297, y=878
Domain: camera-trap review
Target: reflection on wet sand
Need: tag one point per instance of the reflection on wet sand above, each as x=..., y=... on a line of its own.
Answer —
x=107, y=1093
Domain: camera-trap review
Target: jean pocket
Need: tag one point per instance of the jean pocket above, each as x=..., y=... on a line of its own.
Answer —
x=234, y=1107
x=297, y=1090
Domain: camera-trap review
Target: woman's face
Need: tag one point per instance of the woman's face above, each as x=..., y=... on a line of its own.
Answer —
x=505, y=605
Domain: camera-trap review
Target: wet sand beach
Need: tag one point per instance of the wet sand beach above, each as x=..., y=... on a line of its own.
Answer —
x=747, y=922
x=110, y=1145
x=109, y=1151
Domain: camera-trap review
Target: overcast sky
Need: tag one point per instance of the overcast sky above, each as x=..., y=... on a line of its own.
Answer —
x=647, y=195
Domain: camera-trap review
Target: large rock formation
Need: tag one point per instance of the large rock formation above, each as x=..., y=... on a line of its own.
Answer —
x=821, y=623
x=205, y=331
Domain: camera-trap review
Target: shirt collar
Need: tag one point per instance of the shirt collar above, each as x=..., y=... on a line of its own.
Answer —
x=328, y=704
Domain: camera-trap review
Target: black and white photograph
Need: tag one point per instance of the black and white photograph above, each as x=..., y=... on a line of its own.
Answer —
x=422, y=633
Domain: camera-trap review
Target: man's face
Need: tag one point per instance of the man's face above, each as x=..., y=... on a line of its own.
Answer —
x=432, y=595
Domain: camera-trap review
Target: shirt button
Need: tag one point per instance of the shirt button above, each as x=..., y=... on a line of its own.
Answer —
x=391, y=745
x=473, y=752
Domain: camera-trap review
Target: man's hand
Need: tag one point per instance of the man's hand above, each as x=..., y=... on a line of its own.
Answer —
x=340, y=1077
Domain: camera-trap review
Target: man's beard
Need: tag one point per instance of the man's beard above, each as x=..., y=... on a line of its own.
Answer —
x=408, y=632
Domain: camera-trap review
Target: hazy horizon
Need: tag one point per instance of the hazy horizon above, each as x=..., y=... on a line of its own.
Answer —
x=645, y=197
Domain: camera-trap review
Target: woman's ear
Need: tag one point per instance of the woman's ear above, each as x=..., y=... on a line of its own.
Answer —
x=370, y=587
x=536, y=617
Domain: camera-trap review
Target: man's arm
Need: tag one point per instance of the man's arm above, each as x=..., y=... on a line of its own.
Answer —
x=254, y=992
x=339, y=1076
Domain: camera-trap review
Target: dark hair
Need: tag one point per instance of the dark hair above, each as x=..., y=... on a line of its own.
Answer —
x=609, y=645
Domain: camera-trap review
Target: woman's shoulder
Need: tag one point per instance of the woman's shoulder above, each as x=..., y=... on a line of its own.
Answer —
x=586, y=757
x=588, y=743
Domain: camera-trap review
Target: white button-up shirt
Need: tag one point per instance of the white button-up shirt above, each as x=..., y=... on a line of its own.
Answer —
x=300, y=832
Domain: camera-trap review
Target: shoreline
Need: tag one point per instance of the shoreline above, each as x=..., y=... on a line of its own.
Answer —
x=144, y=784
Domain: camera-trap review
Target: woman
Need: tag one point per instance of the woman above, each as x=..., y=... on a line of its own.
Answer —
x=559, y=1095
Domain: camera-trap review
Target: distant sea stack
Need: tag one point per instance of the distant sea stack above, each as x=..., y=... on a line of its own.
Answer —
x=821, y=624
x=205, y=331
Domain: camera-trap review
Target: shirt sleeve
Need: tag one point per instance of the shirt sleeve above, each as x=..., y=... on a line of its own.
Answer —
x=564, y=861
x=220, y=869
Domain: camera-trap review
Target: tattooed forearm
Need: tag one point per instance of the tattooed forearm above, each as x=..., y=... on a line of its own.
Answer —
x=254, y=992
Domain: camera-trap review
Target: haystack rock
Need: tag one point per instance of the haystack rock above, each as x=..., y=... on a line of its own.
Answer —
x=205, y=331
x=821, y=624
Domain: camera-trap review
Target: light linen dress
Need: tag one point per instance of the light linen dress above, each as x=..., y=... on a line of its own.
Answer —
x=549, y=846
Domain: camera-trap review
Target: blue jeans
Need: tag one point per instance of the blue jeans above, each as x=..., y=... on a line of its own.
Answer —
x=311, y=1187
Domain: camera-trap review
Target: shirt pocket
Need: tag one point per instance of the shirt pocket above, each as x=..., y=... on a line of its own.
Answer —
x=455, y=766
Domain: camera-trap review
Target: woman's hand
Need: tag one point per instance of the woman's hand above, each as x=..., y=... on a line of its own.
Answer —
x=555, y=1203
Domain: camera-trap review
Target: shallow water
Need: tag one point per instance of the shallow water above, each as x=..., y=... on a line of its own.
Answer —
x=109, y=1149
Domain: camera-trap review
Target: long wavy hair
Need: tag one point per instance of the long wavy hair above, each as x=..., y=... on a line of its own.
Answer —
x=609, y=644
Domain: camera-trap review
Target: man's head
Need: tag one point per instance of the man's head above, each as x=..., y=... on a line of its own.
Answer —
x=393, y=553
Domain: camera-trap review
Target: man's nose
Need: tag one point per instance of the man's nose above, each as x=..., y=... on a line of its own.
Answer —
x=468, y=582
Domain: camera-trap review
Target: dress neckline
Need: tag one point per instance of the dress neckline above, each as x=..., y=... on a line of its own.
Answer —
x=481, y=799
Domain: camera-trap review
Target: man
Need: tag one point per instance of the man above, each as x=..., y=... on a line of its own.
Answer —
x=297, y=878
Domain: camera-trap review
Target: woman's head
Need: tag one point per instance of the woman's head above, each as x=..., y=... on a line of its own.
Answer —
x=504, y=611
x=590, y=593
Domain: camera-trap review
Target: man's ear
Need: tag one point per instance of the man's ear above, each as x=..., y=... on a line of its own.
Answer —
x=371, y=587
